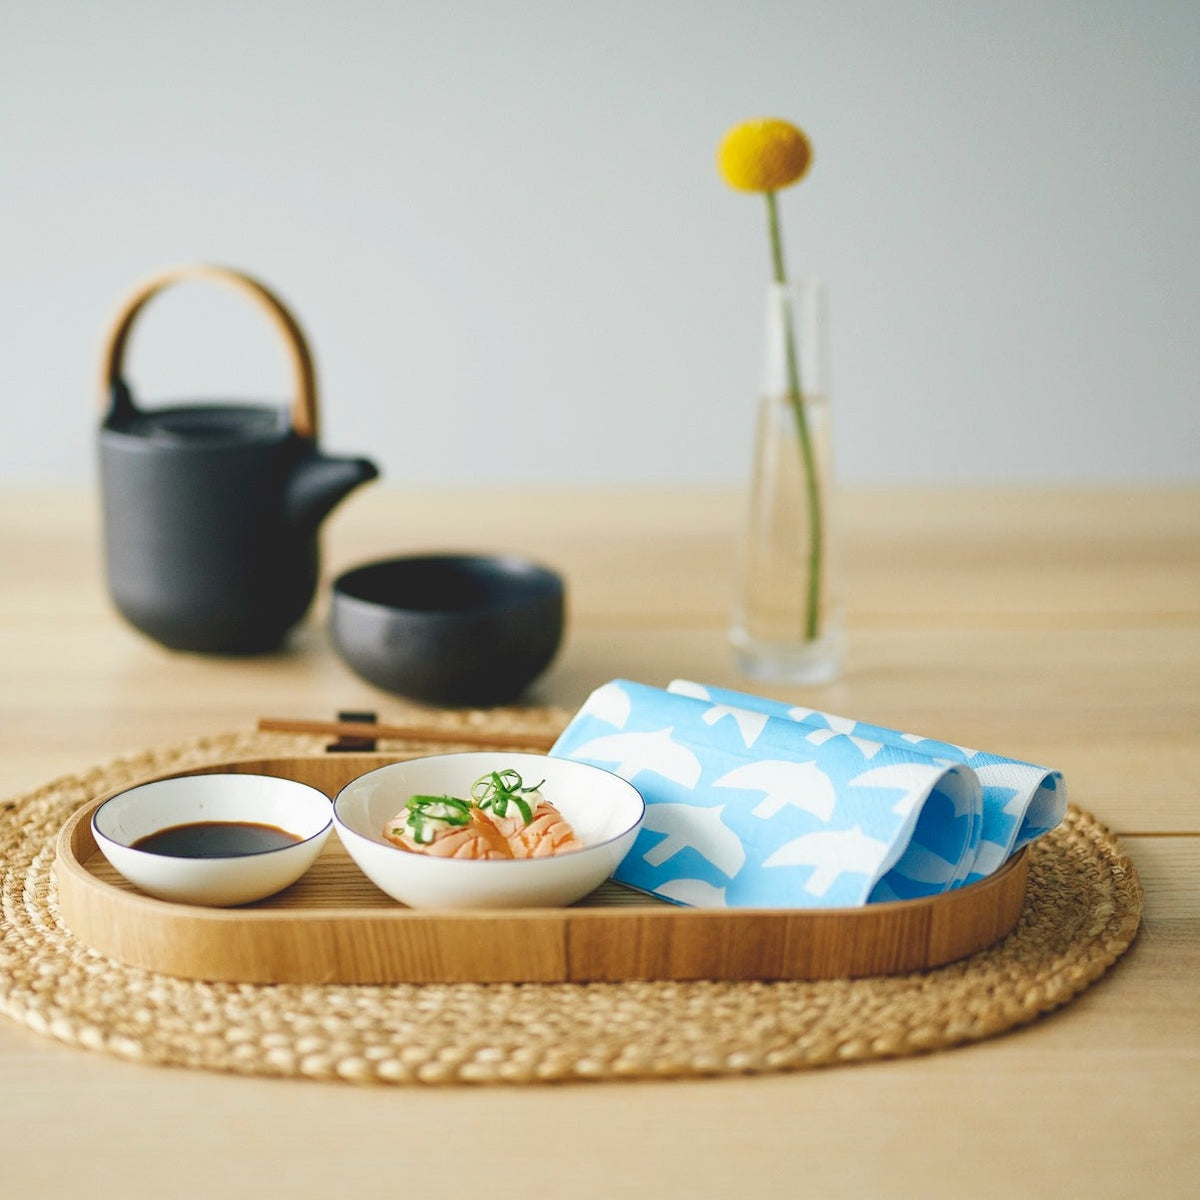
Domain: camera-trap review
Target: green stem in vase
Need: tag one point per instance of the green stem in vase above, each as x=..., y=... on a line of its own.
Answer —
x=816, y=539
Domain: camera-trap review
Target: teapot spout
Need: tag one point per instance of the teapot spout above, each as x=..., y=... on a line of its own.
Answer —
x=317, y=484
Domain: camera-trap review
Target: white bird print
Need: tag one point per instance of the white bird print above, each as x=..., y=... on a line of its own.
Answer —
x=685, y=687
x=832, y=853
x=796, y=713
x=610, y=704
x=846, y=725
x=694, y=892
x=834, y=726
x=700, y=828
x=783, y=782
x=917, y=780
x=637, y=752
x=916, y=739
x=818, y=737
x=750, y=724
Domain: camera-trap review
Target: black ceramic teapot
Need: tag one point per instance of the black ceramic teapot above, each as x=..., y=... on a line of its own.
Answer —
x=211, y=511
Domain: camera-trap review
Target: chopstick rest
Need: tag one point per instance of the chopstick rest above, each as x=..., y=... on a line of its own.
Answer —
x=752, y=802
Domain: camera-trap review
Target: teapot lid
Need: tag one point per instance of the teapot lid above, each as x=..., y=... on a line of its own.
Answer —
x=215, y=424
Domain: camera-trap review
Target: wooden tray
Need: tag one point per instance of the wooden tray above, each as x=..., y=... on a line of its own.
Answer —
x=335, y=926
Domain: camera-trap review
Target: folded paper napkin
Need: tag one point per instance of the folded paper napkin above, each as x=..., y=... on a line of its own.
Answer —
x=755, y=803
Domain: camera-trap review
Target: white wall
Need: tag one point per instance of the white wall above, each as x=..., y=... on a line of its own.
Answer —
x=501, y=226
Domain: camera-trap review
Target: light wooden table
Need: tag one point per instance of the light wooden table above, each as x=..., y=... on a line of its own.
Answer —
x=1060, y=628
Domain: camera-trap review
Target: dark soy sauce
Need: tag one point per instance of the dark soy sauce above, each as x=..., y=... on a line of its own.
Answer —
x=216, y=839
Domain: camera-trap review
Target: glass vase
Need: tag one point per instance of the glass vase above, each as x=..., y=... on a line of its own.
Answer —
x=787, y=624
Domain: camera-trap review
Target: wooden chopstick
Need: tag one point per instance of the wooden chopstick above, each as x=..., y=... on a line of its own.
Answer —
x=416, y=733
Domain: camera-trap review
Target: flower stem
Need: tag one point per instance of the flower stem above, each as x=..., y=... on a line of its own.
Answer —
x=812, y=612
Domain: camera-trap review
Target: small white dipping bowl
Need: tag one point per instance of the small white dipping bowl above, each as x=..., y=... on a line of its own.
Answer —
x=604, y=810
x=220, y=882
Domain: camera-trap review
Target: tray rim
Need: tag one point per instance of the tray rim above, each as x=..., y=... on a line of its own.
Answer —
x=97, y=913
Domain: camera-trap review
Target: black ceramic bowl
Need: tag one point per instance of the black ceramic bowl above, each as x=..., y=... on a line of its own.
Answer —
x=458, y=629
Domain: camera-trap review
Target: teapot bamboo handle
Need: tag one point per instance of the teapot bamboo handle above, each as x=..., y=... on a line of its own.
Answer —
x=304, y=402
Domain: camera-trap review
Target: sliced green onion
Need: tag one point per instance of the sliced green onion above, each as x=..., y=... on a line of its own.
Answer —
x=498, y=789
x=452, y=809
x=425, y=811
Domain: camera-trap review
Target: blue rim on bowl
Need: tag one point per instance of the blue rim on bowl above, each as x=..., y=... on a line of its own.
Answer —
x=605, y=810
x=133, y=813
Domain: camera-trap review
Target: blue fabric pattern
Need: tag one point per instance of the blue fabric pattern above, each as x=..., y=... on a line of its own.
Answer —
x=755, y=803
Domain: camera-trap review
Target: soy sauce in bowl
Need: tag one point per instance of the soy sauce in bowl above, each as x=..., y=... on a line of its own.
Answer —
x=216, y=839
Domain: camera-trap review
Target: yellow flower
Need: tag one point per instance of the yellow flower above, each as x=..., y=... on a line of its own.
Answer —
x=763, y=155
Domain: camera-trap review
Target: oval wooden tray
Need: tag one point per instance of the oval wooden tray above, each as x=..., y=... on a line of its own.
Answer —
x=335, y=926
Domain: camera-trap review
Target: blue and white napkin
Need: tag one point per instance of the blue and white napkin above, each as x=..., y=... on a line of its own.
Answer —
x=754, y=803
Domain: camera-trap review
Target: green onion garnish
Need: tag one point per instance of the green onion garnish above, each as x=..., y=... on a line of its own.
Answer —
x=498, y=789
x=424, y=811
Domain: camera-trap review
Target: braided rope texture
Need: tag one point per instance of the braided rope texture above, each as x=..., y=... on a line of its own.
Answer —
x=1082, y=910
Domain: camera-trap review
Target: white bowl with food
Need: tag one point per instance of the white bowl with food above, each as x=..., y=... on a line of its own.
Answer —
x=221, y=839
x=488, y=829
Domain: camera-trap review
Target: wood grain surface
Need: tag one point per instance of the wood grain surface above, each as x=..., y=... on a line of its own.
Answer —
x=334, y=926
x=1059, y=627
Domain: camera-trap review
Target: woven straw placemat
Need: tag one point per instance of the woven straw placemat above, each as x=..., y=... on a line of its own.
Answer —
x=1082, y=910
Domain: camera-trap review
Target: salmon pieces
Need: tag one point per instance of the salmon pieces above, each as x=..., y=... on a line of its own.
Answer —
x=445, y=827
x=504, y=818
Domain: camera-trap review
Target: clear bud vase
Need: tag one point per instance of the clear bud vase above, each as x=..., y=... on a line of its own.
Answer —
x=788, y=619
